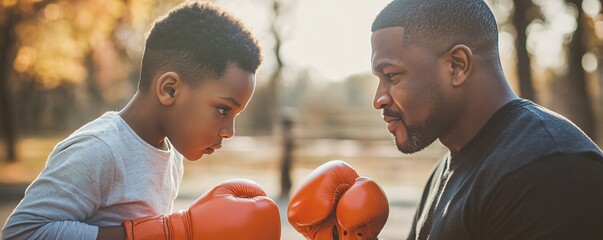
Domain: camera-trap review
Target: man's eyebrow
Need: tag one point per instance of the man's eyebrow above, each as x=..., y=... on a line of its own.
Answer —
x=380, y=66
x=232, y=100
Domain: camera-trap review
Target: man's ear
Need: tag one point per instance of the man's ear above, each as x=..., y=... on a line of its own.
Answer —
x=461, y=63
x=167, y=87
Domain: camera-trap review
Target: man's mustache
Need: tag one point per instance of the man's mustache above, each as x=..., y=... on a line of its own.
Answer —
x=387, y=112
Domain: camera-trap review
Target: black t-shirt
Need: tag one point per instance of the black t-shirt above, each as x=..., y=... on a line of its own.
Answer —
x=528, y=174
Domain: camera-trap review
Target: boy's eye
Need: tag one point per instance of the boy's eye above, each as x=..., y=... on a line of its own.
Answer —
x=223, y=110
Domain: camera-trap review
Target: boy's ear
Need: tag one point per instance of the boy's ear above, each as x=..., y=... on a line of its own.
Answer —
x=461, y=59
x=167, y=87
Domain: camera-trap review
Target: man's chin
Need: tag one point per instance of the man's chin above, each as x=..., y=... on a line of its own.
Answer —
x=406, y=149
x=409, y=147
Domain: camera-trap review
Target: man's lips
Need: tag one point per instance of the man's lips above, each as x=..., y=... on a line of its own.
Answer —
x=392, y=124
x=389, y=119
x=392, y=120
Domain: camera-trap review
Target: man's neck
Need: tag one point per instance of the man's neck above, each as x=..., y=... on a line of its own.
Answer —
x=477, y=110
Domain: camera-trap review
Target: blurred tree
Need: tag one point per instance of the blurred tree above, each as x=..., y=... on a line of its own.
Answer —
x=597, y=30
x=12, y=13
x=54, y=54
x=272, y=104
x=523, y=14
x=288, y=145
x=573, y=97
x=266, y=104
x=358, y=89
x=275, y=79
x=64, y=61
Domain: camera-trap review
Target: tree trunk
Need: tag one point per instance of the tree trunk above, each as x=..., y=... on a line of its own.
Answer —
x=574, y=96
x=600, y=75
x=524, y=73
x=287, y=156
x=275, y=78
x=7, y=55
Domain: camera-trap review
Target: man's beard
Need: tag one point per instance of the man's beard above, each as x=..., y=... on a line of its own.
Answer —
x=416, y=141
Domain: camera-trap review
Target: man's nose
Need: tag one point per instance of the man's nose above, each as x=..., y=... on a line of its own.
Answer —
x=382, y=99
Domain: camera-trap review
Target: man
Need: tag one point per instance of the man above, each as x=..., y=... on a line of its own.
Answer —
x=515, y=169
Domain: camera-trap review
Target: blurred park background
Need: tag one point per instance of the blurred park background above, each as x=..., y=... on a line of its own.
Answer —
x=65, y=62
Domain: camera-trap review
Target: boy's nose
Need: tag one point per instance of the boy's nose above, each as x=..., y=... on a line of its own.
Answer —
x=227, y=131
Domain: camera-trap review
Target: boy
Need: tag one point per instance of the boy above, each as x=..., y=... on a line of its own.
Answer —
x=197, y=74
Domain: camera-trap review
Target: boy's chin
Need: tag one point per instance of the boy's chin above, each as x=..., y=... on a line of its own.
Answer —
x=194, y=157
x=198, y=155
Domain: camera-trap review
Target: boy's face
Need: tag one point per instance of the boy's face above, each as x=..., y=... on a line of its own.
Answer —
x=204, y=115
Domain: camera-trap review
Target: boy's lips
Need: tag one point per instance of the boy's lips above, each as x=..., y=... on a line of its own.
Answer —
x=212, y=149
x=208, y=151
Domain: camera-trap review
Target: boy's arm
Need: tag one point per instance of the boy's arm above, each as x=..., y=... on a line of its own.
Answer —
x=67, y=192
x=111, y=233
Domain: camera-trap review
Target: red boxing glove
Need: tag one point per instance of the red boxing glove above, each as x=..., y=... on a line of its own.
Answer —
x=236, y=209
x=335, y=203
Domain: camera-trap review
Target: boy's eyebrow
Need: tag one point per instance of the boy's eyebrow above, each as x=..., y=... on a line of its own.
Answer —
x=232, y=100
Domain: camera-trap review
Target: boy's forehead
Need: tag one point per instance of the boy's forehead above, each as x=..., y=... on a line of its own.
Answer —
x=232, y=100
x=235, y=86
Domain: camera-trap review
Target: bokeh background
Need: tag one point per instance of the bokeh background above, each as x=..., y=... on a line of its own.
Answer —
x=65, y=62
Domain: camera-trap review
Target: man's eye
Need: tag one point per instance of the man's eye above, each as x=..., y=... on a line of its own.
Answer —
x=391, y=75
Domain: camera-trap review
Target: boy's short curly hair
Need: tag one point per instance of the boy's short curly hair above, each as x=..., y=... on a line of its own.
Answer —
x=197, y=40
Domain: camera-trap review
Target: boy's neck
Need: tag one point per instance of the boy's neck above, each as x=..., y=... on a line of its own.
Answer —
x=141, y=118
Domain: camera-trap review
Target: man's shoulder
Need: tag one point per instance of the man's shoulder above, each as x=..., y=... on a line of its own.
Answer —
x=544, y=125
x=534, y=135
x=534, y=131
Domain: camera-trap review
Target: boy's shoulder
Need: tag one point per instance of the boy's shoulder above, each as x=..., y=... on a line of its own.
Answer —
x=104, y=130
x=110, y=134
x=104, y=126
x=99, y=130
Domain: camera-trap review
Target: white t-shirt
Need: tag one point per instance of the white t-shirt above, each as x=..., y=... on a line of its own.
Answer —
x=101, y=175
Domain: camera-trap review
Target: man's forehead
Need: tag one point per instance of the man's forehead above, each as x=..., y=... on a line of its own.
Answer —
x=386, y=46
x=388, y=36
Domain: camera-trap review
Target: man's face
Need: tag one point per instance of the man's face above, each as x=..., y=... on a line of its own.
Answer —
x=411, y=89
x=204, y=115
